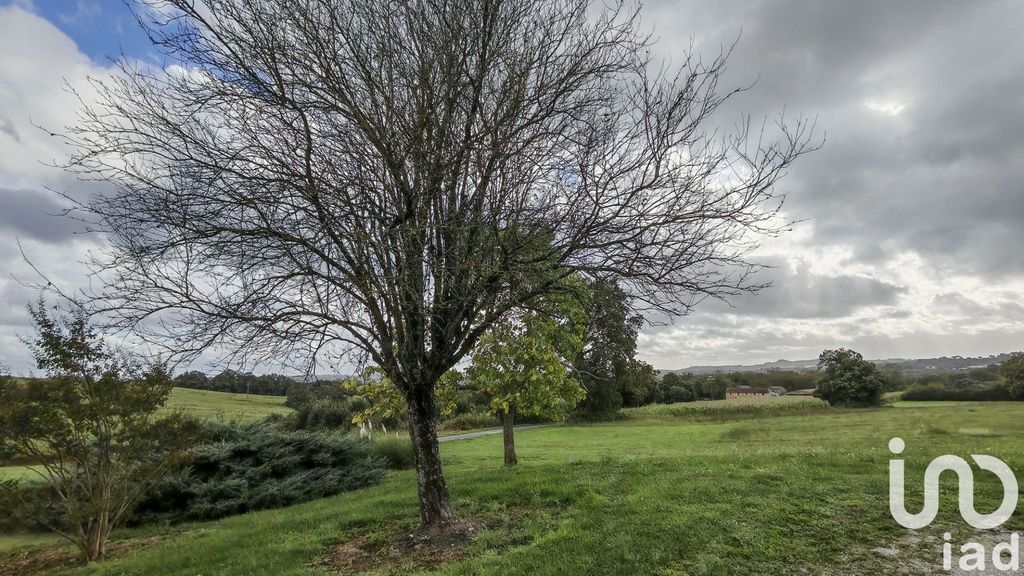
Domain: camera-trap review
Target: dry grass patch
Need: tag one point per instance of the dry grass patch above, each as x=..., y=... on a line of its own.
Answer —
x=405, y=551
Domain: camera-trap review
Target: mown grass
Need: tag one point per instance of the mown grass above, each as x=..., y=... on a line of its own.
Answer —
x=731, y=409
x=19, y=473
x=804, y=494
x=224, y=406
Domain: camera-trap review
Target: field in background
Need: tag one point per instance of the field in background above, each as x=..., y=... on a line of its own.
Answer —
x=802, y=494
x=16, y=473
x=226, y=407
x=212, y=406
x=731, y=408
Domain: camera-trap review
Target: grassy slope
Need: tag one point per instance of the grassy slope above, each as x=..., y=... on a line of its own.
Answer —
x=794, y=494
x=217, y=406
x=16, y=473
x=224, y=407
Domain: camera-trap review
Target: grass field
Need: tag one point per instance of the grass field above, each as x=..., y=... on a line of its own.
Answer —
x=803, y=494
x=16, y=473
x=214, y=406
x=731, y=409
x=225, y=407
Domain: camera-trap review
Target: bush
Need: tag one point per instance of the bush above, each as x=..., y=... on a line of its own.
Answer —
x=299, y=393
x=259, y=466
x=328, y=413
x=1013, y=371
x=471, y=421
x=938, y=391
x=29, y=506
x=393, y=449
x=680, y=394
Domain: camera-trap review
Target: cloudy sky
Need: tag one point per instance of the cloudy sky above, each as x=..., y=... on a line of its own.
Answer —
x=911, y=241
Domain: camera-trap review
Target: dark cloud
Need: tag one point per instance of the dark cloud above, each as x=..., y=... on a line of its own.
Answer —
x=914, y=206
x=956, y=303
x=943, y=177
x=801, y=294
x=14, y=299
x=36, y=215
x=7, y=127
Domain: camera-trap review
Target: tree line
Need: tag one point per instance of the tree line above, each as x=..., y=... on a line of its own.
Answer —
x=236, y=382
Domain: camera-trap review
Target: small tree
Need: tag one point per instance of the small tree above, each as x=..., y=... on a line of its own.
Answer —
x=524, y=367
x=385, y=405
x=92, y=425
x=1013, y=371
x=848, y=379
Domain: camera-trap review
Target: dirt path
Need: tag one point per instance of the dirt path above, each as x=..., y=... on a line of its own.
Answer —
x=469, y=435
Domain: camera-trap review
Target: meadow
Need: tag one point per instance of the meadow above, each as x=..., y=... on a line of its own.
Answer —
x=731, y=409
x=661, y=495
x=224, y=406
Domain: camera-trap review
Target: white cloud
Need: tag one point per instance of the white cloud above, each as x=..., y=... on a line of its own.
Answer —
x=888, y=107
x=82, y=13
x=39, y=64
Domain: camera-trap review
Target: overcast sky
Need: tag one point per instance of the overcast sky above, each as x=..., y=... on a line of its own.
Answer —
x=911, y=241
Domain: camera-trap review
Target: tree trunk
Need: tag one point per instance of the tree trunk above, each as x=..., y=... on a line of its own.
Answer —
x=95, y=545
x=508, y=434
x=435, y=508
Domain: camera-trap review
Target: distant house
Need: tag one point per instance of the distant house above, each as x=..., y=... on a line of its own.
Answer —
x=778, y=391
x=747, y=392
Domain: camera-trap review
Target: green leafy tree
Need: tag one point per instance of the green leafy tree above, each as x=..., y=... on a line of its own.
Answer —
x=848, y=379
x=1013, y=371
x=192, y=379
x=93, y=426
x=609, y=336
x=524, y=367
x=228, y=381
x=638, y=383
x=385, y=405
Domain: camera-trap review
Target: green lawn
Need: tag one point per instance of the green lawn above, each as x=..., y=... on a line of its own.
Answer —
x=804, y=494
x=225, y=407
x=17, y=473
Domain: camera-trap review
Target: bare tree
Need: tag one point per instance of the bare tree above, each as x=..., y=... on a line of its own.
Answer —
x=392, y=177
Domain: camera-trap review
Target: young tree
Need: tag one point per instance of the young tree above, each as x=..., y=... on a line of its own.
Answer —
x=92, y=426
x=385, y=405
x=1013, y=371
x=524, y=366
x=848, y=379
x=333, y=175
